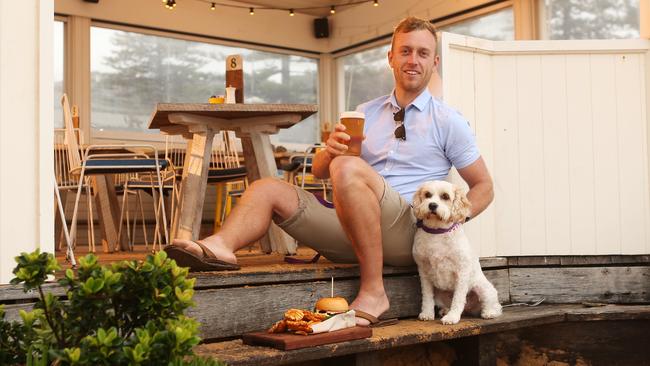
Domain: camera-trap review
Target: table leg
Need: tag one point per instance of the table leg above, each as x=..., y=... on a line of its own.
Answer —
x=108, y=212
x=189, y=212
x=260, y=163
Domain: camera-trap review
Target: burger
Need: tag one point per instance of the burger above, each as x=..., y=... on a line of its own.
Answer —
x=331, y=306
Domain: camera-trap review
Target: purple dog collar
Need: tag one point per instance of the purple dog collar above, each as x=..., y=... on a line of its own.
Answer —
x=436, y=231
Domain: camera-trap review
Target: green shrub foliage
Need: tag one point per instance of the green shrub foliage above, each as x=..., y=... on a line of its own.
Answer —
x=130, y=313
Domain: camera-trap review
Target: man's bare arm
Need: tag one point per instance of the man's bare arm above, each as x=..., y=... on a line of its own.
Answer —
x=334, y=146
x=481, y=189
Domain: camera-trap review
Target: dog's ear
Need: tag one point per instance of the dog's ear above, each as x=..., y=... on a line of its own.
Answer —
x=460, y=207
x=417, y=197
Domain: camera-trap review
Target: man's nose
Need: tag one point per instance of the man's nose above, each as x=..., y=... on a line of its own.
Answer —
x=412, y=58
x=433, y=206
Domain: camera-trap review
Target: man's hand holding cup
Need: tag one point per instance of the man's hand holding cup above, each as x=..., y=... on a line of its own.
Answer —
x=347, y=135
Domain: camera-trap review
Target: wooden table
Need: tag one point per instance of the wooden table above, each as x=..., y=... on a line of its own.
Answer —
x=252, y=123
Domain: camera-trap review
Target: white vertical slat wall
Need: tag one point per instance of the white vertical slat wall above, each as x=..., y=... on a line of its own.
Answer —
x=563, y=128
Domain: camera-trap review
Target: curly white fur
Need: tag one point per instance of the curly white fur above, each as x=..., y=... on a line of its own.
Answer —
x=450, y=274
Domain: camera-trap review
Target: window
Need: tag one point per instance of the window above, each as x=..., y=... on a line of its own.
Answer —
x=366, y=75
x=497, y=26
x=131, y=72
x=579, y=19
x=58, y=73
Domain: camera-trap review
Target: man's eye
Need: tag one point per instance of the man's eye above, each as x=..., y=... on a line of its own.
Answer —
x=427, y=195
x=444, y=196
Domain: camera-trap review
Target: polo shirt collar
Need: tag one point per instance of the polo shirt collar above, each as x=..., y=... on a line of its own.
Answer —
x=420, y=102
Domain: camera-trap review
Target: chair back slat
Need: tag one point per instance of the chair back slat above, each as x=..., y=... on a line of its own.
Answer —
x=74, y=154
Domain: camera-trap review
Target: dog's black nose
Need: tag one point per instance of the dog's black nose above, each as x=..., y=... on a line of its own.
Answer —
x=433, y=206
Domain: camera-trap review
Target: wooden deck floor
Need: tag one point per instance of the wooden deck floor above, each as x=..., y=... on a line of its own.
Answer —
x=246, y=257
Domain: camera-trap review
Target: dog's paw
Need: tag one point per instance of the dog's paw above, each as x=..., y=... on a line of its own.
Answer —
x=443, y=311
x=490, y=313
x=450, y=318
x=426, y=315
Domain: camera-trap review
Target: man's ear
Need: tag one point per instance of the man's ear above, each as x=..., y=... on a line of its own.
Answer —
x=390, y=58
x=461, y=206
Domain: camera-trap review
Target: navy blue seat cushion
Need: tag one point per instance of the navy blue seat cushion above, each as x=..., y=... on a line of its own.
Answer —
x=114, y=166
x=222, y=175
x=296, y=162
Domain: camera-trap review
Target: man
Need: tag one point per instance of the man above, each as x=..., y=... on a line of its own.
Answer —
x=410, y=137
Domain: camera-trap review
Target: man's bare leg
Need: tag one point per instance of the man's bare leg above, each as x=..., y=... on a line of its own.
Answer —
x=249, y=220
x=357, y=191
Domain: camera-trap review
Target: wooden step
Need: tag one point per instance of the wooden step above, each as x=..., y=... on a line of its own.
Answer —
x=412, y=331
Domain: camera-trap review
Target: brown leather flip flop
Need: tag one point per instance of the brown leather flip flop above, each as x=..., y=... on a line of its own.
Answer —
x=207, y=262
x=374, y=321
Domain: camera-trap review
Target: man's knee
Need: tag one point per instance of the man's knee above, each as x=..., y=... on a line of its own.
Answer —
x=348, y=169
x=267, y=186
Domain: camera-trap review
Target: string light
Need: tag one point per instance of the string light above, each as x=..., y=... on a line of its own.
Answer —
x=170, y=4
x=251, y=10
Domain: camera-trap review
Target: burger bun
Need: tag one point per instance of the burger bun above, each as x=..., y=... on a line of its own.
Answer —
x=332, y=305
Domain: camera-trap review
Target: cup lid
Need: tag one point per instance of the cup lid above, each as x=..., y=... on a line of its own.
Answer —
x=352, y=114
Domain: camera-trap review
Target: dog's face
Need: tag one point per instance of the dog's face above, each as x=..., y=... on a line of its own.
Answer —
x=440, y=204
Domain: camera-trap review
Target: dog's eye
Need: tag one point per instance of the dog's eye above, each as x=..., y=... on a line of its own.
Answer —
x=444, y=196
x=427, y=195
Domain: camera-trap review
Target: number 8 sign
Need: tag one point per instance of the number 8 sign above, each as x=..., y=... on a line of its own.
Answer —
x=233, y=62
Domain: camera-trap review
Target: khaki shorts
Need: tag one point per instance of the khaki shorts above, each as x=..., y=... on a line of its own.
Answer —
x=318, y=227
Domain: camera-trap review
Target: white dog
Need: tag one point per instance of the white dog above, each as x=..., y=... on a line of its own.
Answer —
x=450, y=274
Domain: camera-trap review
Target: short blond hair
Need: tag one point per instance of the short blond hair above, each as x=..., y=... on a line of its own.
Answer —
x=410, y=24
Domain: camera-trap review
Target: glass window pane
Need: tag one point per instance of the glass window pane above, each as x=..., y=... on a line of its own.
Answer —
x=366, y=76
x=58, y=73
x=131, y=72
x=602, y=19
x=497, y=26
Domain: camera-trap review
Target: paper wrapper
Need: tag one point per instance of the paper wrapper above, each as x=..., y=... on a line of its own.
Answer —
x=337, y=322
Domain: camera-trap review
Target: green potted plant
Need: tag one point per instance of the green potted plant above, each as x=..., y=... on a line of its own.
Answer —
x=130, y=313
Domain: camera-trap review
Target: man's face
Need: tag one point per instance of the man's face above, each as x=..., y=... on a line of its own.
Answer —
x=413, y=59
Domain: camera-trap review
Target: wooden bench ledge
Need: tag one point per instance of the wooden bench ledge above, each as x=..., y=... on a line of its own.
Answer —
x=412, y=331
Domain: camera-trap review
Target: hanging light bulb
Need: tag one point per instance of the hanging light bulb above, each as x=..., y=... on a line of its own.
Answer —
x=375, y=3
x=251, y=11
x=291, y=13
x=212, y=7
x=332, y=9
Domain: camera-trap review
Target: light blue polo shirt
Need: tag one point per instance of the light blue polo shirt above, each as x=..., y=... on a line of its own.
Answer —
x=437, y=137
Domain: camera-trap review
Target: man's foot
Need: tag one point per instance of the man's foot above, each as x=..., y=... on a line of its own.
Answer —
x=218, y=250
x=373, y=305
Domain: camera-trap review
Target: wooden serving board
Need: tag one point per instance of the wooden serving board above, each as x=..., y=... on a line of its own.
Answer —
x=288, y=341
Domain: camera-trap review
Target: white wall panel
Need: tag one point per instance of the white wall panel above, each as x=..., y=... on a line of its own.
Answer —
x=605, y=158
x=531, y=153
x=485, y=138
x=632, y=170
x=563, y=127
x=556, y=154
x=26, y=125
x=581, y=155
x=506, y=157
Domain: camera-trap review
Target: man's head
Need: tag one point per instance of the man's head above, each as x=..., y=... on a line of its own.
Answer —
x=413, y=54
